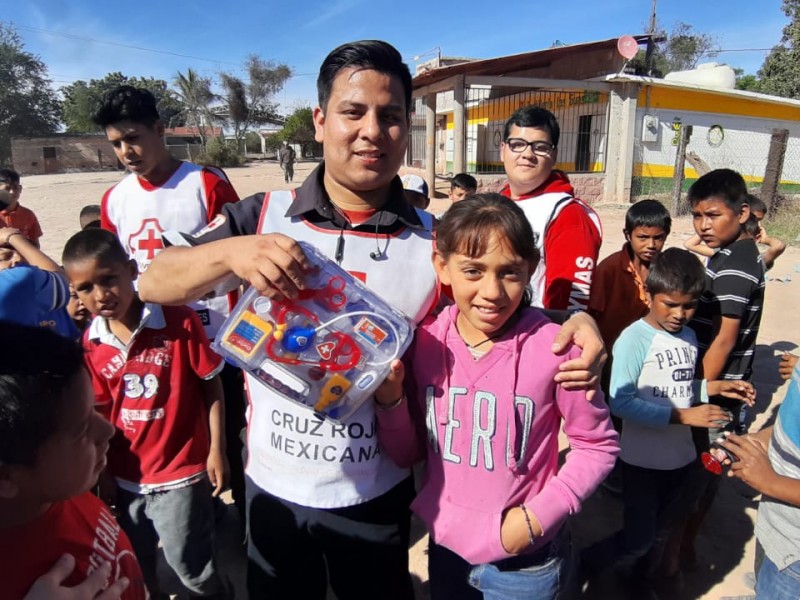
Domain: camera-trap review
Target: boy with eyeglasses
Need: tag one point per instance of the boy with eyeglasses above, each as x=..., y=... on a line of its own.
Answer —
x=568, y=231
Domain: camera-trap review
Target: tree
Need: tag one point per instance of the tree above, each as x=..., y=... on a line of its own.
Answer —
x=194, y=93
x=780, y=73
x=745, y=81
x=679, y=50
x=82, y=99
x=299, y=129
x=28, y=105
x=250, y=103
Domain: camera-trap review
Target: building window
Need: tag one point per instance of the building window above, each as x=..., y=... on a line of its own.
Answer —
x=49, y=151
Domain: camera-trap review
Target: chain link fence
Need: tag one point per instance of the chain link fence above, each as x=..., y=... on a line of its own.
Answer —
x=710, y=146
x=582, y=116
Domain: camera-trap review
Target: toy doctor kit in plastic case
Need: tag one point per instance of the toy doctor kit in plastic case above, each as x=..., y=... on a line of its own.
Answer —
x=328, y=349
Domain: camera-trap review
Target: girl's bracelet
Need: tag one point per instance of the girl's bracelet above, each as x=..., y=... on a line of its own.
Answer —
x=394, y=404
x=531, y=535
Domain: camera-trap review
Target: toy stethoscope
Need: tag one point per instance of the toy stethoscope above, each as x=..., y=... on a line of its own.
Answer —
x=337, y=350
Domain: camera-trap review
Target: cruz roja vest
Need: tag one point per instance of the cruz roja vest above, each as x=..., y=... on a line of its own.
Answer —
x=296, y=455
x=541, y=211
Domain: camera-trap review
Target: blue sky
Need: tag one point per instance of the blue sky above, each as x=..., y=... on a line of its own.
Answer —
x=214, y=36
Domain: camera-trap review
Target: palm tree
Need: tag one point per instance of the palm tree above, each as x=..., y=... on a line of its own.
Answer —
x=195, y=94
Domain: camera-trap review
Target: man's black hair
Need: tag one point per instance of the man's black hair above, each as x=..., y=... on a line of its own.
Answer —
x=676, y=270
x=36, y=367
x=127, y=103
x=647, y=213
x=752, y=226
x=465, y=181
x=94, y=243
x=536, y=117
x=374, y=55
x=724, y=184
x=9, y=176
x=91, y=215
x=90, y=210
x=756, y=203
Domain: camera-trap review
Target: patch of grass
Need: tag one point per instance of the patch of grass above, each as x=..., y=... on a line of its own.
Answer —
x=785, y=225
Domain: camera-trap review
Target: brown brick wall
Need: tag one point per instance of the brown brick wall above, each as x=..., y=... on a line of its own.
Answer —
x=72, y=153
x=588, y=187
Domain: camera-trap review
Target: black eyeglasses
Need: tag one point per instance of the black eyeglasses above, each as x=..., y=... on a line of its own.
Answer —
x=539, y=148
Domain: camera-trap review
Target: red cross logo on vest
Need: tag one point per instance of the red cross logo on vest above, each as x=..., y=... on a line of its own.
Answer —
x=146, y=243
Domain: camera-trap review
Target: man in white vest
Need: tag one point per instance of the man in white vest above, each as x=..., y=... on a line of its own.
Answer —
x=568, y=230
x=324, y=503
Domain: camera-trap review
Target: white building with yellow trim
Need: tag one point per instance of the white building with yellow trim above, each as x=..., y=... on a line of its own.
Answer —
x=619, y=131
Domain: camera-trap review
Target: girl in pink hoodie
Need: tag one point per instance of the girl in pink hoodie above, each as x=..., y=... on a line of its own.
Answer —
x=480, y=406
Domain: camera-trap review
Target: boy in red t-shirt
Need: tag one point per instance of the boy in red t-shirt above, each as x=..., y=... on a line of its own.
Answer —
x=52, y=448
x=12, y=214
x=156, y=377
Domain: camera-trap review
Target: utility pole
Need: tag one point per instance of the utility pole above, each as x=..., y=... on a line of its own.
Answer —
x=648, y=60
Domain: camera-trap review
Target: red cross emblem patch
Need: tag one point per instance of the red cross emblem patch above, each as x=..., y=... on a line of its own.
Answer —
x=146, y=243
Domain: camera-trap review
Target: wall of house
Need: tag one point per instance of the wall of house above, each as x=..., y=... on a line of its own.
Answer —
x=39, y=156
x=727, y=132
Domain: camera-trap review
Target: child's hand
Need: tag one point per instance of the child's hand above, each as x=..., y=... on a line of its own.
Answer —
x=514, y=535
x=391, y=390
x=787, y=364
x=49, y=586
x=737, y=390
x=753, y=466
x=705, y=415
x=218, y=470
x=6, y=233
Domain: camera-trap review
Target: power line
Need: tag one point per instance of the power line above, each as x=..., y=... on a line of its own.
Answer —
x=739, y=50
x=140, y=48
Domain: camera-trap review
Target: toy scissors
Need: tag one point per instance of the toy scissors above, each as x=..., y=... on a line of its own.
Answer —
x=331, y=296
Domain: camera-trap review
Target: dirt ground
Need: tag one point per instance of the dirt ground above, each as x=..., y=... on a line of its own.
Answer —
x=726, y=547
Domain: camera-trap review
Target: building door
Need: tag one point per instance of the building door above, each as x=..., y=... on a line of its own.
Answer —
x=50, y=160
x=583, y=151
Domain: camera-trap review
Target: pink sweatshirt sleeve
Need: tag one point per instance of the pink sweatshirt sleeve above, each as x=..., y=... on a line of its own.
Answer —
x=594, y=446
x=399, y=433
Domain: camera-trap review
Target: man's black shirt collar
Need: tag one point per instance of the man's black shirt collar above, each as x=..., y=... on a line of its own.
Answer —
x=312, y=202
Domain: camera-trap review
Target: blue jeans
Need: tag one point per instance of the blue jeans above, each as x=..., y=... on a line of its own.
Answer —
x=540, y=576
x=772, y=584
x=183, y=520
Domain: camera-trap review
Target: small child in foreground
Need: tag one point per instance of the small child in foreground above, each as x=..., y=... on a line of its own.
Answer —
x=494, y=499
x=155, y=377
x=52, y=449
x=655, y=393
x=33, y=289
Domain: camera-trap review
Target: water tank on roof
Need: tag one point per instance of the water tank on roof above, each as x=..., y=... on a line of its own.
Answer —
x=708, y=74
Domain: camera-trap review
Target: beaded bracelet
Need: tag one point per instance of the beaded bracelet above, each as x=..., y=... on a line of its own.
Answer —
x=531, y=536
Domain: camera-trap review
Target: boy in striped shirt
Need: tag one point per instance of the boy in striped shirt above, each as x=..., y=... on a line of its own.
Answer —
x=729, y=312
x=728, y=315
